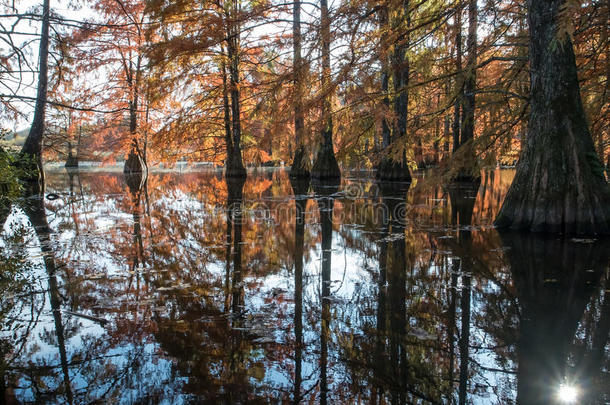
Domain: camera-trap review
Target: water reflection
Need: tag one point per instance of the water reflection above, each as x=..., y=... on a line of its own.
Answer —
x=183, y=288
x=554, y=291
x=300, y=188
x=33, y=207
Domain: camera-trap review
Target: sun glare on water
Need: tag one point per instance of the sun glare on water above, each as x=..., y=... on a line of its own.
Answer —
x=567, y=394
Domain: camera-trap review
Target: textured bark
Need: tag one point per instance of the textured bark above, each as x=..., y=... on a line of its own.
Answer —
x=467, y=132
x=32, y=146
x=234, y=166
x=392, y=168
x=385, y=80
x=227, y=113
x=325, y=165
x=559, y=185
x=459, y=83
x=468, y=169
x=135, y=162
x=300, y=163
x=401, y=82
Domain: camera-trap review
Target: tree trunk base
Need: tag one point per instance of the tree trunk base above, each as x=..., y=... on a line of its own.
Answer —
x=71, y=161
x=300, y=186
x=558, y=189
x=300, y=166
x=134, y=163
x=467, y=177
x=326, y=167
x=235, y=169
x=31, y=169
x=391, y=170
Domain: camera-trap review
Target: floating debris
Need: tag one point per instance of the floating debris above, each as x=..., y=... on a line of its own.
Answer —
x=583, y=240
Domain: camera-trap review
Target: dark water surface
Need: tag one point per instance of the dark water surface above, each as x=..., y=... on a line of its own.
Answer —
x=189, y=290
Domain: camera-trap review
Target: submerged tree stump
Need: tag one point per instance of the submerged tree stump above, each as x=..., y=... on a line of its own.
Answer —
x=559, y=186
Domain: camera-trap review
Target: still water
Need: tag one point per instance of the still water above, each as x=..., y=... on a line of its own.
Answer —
x=187, y=289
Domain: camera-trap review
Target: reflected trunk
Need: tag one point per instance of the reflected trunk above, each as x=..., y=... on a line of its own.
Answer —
x=135, y=183
x=553, y=292
x=238, y=380
x=463, y=197
x=35, y=211
x=300, y=189
x=325, y=192
x=395, y=265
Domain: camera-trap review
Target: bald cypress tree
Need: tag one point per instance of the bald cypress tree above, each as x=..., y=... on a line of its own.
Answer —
x=325, y=166
x=559, y=185
x=32, y=146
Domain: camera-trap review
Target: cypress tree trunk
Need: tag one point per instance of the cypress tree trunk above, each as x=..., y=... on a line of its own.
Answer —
x=227, y=113
x=391, y=168
x=458, y=81
x=71, y=160
x=325, y=165
x=300, y=164
x=468, y=170
x=559, y=186
x=385, y=80
x=135, y=160
x=234, y=166
x=467, y=132
x=32, y=146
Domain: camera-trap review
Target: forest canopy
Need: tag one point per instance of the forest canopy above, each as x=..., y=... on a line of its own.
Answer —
x=160, y=78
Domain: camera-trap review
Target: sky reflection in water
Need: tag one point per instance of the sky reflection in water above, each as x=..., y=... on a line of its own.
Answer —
x=192, y=290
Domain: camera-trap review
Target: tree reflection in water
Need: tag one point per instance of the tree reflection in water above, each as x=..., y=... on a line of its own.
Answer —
x=554, y=290
x=189, y=289
x=300, y=188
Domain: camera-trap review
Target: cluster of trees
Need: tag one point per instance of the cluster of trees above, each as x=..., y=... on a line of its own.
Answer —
x=389, y=85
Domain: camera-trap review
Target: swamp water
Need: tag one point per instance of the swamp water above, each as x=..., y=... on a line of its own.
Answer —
x=187, y=289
